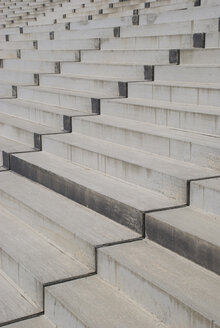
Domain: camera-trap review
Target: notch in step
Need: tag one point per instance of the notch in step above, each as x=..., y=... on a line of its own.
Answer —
x=199, y=40
x=95, y=102
x=149, y=72
x=174, y=56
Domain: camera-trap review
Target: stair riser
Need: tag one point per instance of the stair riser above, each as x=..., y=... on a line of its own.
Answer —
x=35, y=66
x=8, y=54
x=68, y=44
x=184, y=120
x=190, y=74
x=93, y=33
x=17, y=77
x=197, y=96
x=213, y=40
x=22, y=278
x=159, y=30
x=104, y=87
x=168, y=185
x=119, y=212
x=202, y=57
x=29, y=37
x=67, y=241
x=128, y=72
x=58, y=314
x=167, y=308
x=102, y=23
x=62, y=100
x=160, y=42
x=165, y=146
x=53, y=55
x=5, y=91
x=205, y=198
x=16, y=46
x=17, y=134
x=185, y=244
x=43, y=28
x=132, y=57
x=33, y=114
x=197, y=13
x=12, y=30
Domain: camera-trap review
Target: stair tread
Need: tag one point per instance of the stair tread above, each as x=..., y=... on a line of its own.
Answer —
x=92, y=226
x=46, y=262
x=96, y=304
x=182, y=278
x=14, y=304
x=164, y=164
x=127, y=193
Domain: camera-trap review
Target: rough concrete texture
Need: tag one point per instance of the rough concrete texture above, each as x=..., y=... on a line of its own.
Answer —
x=109, y=163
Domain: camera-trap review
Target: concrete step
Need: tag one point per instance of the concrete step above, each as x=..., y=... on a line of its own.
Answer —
x=13, y=303
x=74, y=237
x=144, y=57
x=204, y=94
x=188, y=73
x=12, y=30
x=17, y=77
x=213, y=40
x=44, y=114
x=173, y=143
x=81, y=101
x=205, y=195
x=22, y=131
x=163, y=175
x=6, y=90
x=98, y=85
x=10, y=146
x=76, y=44
x=169, y=28
x=84, y=34
x=200, y=56
x=4, y=54
x=91, y=188
x=44, y=28
x=197, y=13
x=38, y=262
x=107, y=306
x=148, y=42
x=199, y=118
x=189, y=232
x=185, y=290
x=55, y=55
x=36, y=66
x=29, y=36
x=17, y=45
x=100, y=23
x=128, y=72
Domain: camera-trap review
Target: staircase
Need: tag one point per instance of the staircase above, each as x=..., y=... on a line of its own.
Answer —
x=110, y=164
